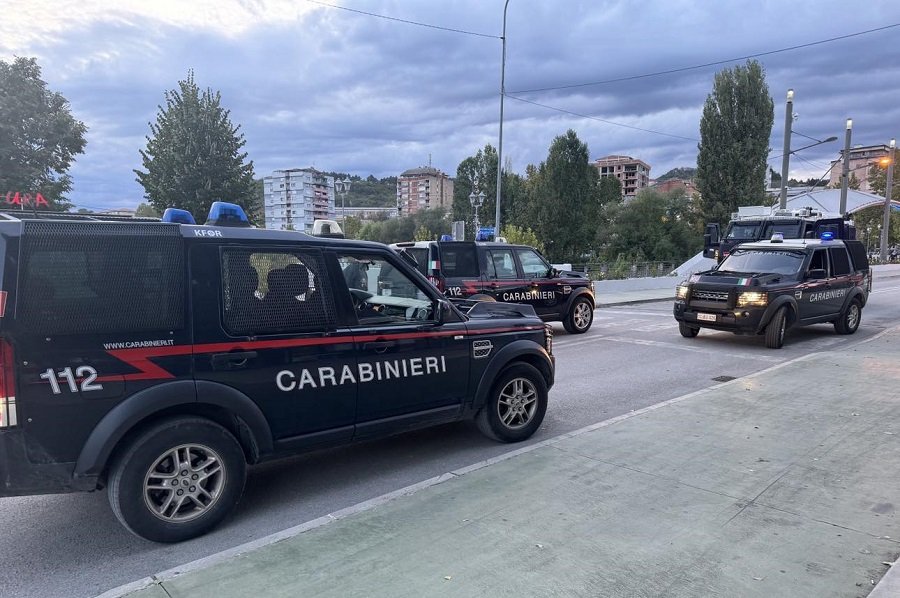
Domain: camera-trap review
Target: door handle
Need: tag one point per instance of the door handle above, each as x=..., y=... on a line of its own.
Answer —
x=379, y=346
x=234, y=359
x=494, y=285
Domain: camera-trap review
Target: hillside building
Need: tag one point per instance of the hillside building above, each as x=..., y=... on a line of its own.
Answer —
x=633, y=174
x=423, y=188
x=294, y=198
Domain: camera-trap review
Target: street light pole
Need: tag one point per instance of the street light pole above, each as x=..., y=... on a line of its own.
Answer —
x=888, y=190
x=845, y=168
x=786, y=157
x=476, y=199
x=500, y=141
x=342, y=187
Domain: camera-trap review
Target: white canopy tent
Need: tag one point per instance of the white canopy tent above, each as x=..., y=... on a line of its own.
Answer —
x=829, y=201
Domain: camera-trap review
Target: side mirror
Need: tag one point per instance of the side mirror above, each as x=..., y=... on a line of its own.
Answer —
x=817, y=274
x=443, y=308
x=711, y=231
x=552, y=273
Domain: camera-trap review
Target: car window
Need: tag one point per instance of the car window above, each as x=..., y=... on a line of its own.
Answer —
x=500, y=264
x=459, y=260
x=819, y=261
x=742, y=231
x=532, y=263
x=421, y=256
x=840, y=261
x=381, y=292
x=275, y=292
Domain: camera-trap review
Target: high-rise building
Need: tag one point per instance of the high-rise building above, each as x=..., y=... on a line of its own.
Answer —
x=296, y=197
x=423, y=188
x=633, y=174
x=862, y=159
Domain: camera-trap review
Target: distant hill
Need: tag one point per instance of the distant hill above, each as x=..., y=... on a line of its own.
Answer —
x=368, y=192
x=685, y=172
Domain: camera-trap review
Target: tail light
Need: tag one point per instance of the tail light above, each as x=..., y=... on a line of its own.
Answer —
x=7, y=385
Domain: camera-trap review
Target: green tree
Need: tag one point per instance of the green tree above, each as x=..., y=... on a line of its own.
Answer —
x=564, y=199
x=734, y=142
x=477, y=174
x=351, y=227
x=146, y=210
x=39, y=137
x=193, y=155
x=877, y=178
x=521, y=236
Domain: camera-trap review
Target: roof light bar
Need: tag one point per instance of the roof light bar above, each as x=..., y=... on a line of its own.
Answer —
x=226, y=214
x=178, y=216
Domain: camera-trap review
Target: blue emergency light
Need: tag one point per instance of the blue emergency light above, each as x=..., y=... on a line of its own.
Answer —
x=226, y=214
x=827, y=235
x=178, y=216
x=446, y=237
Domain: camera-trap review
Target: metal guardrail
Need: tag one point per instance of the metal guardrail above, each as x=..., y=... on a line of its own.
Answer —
x=621, y=271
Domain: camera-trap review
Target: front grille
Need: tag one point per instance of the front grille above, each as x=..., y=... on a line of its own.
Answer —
x=718, y=296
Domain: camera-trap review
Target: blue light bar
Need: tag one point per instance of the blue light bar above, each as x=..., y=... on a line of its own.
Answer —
x=827, y=235
x=446, y=237
x=226, y=214
x=178, y=216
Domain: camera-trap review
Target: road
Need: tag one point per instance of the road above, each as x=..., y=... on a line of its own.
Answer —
x=71, y=545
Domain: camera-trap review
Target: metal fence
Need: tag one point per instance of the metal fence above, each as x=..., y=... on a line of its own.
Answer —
x=623, y=270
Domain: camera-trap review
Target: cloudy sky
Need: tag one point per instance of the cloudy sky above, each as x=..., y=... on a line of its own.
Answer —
x=315, y=85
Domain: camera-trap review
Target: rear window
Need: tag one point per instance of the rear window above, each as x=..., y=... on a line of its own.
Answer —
x=459, y=260
x=100, y=277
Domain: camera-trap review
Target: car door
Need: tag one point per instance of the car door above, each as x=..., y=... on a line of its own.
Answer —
x=267, y=329
x=545, y=293
x=412, y=367
x=841, y=281
x=814, y=302
x=503, y=281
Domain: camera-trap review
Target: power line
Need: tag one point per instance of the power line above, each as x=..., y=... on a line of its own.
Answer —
x=708, y=64
x=407, y=21
x=603, y=120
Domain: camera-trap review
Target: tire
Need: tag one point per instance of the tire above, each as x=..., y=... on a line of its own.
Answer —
x=776, y=328
x=848, y=322
x=148, y=461
x=515, y=406
x=688, y=331
x=580, y=316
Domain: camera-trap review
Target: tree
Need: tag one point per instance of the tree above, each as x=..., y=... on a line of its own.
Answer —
x=146, y=210
x=39, y=137
x=476, y=173
x=653, y=226
x=518, y=235
x=734, y=142
x=193, y=155
x=564, y=199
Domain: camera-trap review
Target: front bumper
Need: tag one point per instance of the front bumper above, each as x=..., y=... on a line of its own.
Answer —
x=739, y=320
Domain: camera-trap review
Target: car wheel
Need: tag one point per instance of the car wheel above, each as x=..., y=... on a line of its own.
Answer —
x=688, y=331
x=849, y=320
x=177, y=480
x=776, y=328
x=580, y=317
x=516, y=405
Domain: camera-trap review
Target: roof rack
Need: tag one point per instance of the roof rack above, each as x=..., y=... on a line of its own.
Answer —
x=16, y=215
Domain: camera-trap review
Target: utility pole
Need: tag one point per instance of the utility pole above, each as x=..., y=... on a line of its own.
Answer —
x=786, y=157
x=888, y=190
x=845, y=168
x=500, y=141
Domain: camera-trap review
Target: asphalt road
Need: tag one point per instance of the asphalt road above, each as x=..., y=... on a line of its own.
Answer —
x=71, y=545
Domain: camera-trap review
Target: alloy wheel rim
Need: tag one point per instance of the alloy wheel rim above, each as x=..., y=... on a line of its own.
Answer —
x=582, y=315
x=518, y=403
x=184, y=483
x=852, y=316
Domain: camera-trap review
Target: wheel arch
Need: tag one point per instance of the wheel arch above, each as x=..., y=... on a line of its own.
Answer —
x=580, y=292
x=520, y=351
x=216, y=402
x=783, y=301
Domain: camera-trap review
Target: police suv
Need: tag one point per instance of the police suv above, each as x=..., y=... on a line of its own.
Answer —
x=159, y=359
x=769, y=286
x=504, y=272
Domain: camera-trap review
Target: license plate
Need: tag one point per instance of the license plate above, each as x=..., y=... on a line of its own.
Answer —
x=706, y=317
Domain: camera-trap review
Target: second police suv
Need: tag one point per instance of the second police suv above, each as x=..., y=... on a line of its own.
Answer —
x=769, y=286
x=158, y=359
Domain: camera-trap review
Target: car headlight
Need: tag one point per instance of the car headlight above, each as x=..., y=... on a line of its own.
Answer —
x=681, y=291
x=752, y=299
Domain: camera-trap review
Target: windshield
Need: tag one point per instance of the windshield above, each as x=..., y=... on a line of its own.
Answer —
x=746, y=230
x=763, y=261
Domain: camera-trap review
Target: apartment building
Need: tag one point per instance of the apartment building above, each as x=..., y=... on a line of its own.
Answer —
x=423, y=188
x=633, y=174
x=862, y=158
x=296, y=197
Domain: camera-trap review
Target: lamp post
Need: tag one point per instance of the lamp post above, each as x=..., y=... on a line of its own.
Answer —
x=786, y=157
x=888, y=190
x=476, y=199
x=500, y=141
x=845, y=167
x=342, y=187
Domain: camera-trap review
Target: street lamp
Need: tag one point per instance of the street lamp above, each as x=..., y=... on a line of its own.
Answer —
x=786, y=156
x=845, y=169
x=476, y=199
x=342, y=187
x=888, y=190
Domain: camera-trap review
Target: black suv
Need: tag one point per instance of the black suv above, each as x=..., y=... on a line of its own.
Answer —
x=508, y=273
x=769, y=286
x=159, y=359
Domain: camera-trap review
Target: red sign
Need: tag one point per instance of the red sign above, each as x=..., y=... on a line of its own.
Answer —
x=25, y=199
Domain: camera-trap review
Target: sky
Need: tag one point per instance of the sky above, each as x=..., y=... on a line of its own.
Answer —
x=414, y=82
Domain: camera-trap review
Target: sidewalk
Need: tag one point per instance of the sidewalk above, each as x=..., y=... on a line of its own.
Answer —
x=777, y=484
